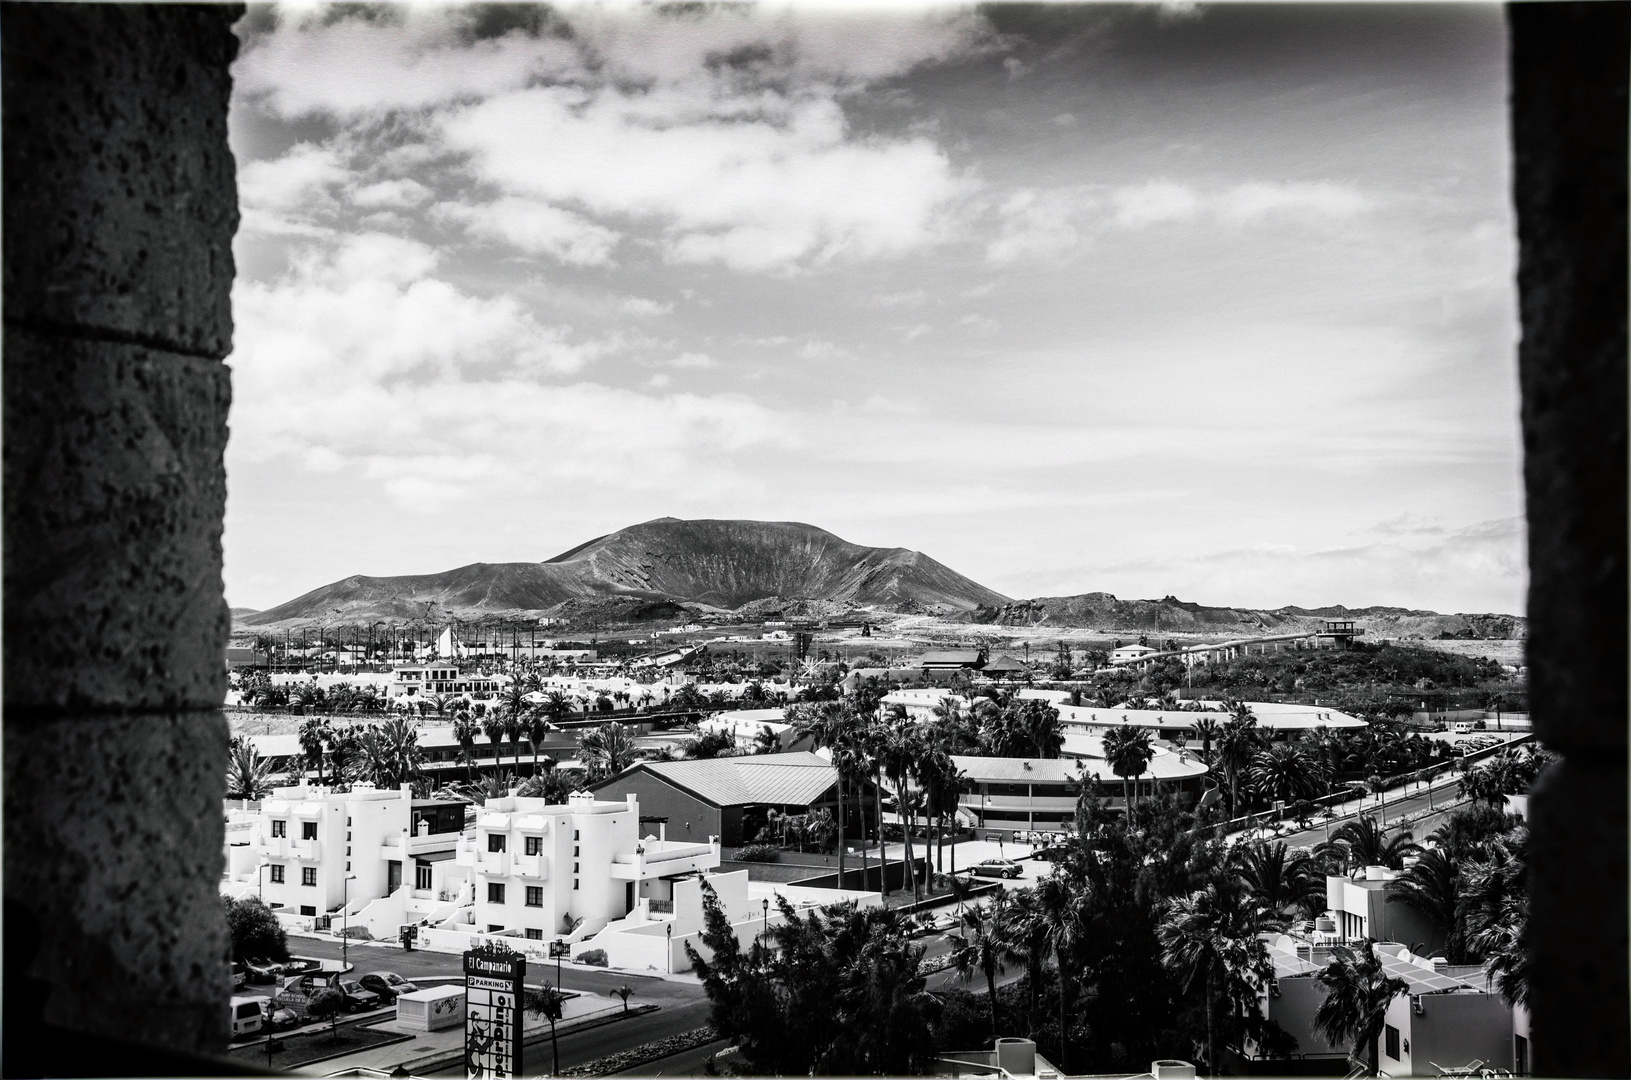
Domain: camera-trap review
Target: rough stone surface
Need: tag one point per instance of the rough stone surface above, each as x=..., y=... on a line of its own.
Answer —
x=120, y=189
x=1569, y=66
x=113, y=835
x=114, y=495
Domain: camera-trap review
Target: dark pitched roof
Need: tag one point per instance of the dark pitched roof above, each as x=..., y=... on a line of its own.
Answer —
x=797, y=778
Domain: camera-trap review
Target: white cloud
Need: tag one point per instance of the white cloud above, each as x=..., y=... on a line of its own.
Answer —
x=536, y=228
x=823, y=350
x=284, y=195
x=1153, y=203
x=692, y=360
x=639, y=305
x=400, y=193
x=1037, y=223
x=979, y=323
x=1248, y=203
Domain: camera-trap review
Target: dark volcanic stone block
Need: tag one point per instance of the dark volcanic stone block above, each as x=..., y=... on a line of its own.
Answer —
x=113, y=834
x=114, y=493
x=120, y=190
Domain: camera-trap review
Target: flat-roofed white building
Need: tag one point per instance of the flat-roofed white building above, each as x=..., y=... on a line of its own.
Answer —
x=534, y=863
x=303, y=843
x=1275, y=719
x=1040, y=793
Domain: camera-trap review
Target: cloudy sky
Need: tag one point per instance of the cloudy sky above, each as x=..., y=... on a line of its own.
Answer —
x=1207, y=301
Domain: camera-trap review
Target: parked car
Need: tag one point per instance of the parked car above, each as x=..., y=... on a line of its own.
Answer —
x=246, y=1016
x=1051, y=853
x=357, y=998
x=276, y=1019
x=387, y=984
x=997, y=868
x=263, y=971
x=240, y=976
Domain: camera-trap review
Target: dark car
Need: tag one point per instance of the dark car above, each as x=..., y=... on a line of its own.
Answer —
x=1051, y=853
x=276, y=1019
x=357, y=998
x=998, y=868
x=387, y=984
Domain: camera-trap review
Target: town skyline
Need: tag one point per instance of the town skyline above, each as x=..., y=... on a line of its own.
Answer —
x=1215, y=304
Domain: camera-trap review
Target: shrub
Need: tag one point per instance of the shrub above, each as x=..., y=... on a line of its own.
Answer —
x=596, y=957
x=758, y=853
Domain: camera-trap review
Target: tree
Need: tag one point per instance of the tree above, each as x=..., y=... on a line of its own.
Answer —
x=899, y=748
x=1237, y=745
x=1210, y=937
x=327, y=1004
x=390, y=755
x=1357, y=993
x=465, y=731
x=537, y=729
x=1128, y=750
x=255, y=930
x=623, y=992
x=608, y=750
x=1363, y=842
x=824, y=726
x=710, y=744
x=1431, y=886
x=494, y=727
x=989, y=943
x=1055, y=911
x=546, y=1001
x=1281, y=881
x=249, y=776
x=1285, y=771
x=1207, y=730
x=313, y=734
x=344, y=747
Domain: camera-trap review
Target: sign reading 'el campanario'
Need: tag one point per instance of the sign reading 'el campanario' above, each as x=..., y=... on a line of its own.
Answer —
x=492, y=1014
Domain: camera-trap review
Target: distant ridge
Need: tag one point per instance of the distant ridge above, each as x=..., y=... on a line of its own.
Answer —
x=1102, y=611
x=719, y=563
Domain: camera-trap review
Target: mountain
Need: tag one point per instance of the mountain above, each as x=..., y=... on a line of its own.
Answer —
x=1102, y=611
x=721, y=564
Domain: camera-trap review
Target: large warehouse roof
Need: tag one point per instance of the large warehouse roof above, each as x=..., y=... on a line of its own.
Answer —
x=798, y=778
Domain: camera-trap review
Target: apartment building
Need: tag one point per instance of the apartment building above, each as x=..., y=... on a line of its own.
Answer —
x=544, y=870
x=1361, y=910
x=307, y=850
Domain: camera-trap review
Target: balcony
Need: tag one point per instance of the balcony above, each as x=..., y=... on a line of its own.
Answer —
x=534, y=867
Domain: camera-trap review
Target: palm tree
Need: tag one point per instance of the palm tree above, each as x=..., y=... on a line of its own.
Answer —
x=1362, y=842
x=1431, y=886
x=988, y=946
x=900, y=746
x=1207, y=730
x=1237, y=745
x=1211, y=936
x=1058, y=910
x=1128, y=750
x=537, y=730
x=1286, y=772
x=249, y=776
x=624, y=992
x=1357, y=993
x=390, y=753
x=313, y=734
x=547, y=1001
x=608, y=749
x=942, y=785
x=1281, y=881
x=494, y=727
x=465, y=732
x=824, y=725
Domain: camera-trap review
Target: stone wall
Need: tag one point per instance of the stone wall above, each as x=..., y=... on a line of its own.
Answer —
x=1569, y=70
x=120, y=205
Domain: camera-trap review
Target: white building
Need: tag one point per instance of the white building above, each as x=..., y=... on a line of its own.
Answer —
x=424, y=680
x=308, y=850
x=1129, y=654
x=534, y=863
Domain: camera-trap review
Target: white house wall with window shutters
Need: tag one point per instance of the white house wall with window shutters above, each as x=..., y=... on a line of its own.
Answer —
x=305, y=840
x=535, y=863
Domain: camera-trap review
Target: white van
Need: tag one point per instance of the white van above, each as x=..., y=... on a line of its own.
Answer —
x=1462, y=727
x=247, y=1015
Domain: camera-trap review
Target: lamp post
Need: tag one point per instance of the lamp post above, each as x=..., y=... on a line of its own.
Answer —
x=260, y=881
x=345, y=917
x=671, y=948
x=766, y=904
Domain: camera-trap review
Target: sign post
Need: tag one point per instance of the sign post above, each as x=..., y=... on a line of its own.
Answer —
x=492, y=1013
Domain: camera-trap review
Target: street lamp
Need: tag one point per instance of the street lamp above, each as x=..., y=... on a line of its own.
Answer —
x=260, y=880
x=671, y=948
x=345, y=916
x=767, y=923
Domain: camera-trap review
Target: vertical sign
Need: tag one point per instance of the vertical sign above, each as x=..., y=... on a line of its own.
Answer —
x=492, y=1011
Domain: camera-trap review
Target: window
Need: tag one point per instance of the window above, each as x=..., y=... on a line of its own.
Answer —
x=421, y=877
x=535, y=934
x=535, y=896
x=577, y=868
x=574, y=883
x=307, y=909
x=535, y=845
x=495, y=893
x=276, y=874
x=308, y=876
x=1392, y=1042
x=576, y=851
x=575, y=834
x=280, y=828
x=495, y=841
x=308, y=830
x=495, y=928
